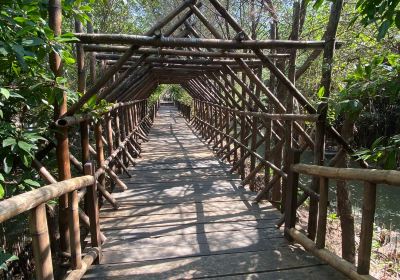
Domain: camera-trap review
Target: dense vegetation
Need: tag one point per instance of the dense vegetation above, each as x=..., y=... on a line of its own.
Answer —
x=366, y=78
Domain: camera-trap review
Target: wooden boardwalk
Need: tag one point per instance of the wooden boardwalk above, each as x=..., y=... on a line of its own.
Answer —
x=184, y=216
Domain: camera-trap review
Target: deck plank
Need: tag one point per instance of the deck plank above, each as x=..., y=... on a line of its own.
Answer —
x=185, y=216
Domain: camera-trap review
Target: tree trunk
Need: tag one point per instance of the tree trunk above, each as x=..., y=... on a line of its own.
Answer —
x=344, y=207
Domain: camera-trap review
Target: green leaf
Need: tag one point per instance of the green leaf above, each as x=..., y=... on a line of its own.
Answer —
x=9, y=142
x=390, y=162
x=19, y=54
x=33, y=137
x=20, y=20
x=69, y=60
x=16, y=95
x=5, y=92
x=32, y=42
x=377, y=142
x=31, y=182
x=25, y=146
x=1, y=178
x=321, y=92
x=318, y=4
x=6, y=258
x=397, y=19
x=2, y=192
x=3, y=51
x=392, y=59
x=383, y=29
x=8, y=163
x=26, y=160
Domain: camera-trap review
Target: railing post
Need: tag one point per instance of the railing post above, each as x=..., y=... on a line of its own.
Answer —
x=41, y=243
x=98, y=131
x=322, y=211
x=93, y=214
x=291, y=195
x=367, y=228
x=75, y=234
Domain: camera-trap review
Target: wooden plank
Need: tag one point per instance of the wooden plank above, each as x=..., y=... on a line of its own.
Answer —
x=186, y=248
x=198, y=208
x=208, y=266
x=267, y=228
x=183, y=219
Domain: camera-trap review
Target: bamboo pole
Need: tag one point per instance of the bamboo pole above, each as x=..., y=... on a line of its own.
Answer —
x=62, y=148
x=336, y=262
x=172, y=52
x=141, y=40
x=322, y=212
x=389, y=177
x=367, y=228
x=41, y=243
x=93, y=208
x=18, y=204
x=75, y=240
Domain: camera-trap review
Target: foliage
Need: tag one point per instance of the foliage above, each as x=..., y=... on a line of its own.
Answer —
x=332, y=217
x=179, y=94
x=371, y=87
x=376, y=80
x=28, y=89
x=382, y=14
x=157, y=93
x=384, y=152
x=5, y=259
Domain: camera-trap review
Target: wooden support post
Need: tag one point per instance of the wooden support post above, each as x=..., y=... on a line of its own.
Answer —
x=228, y=131
x=41, y=243
x=288, y=133
x=242, y=169
x=60, y=108
x=253, y=143
x=93, y=212
x=322, y=212
x=75, y=234
x=367, y=228
x=100, y=151
x=291, y=196
x=221, y=125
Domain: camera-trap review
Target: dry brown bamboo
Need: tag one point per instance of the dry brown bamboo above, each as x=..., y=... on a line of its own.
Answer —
x=87, y=261
x=322, y=212
x=389, y=177
x=173, y=52
x=27, y=201
x=367, y=228
x=62, y=148
x=343, y=266
x=140, y=40
x=41, y=243
x=93, y=209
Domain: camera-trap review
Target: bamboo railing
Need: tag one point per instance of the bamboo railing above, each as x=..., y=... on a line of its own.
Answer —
x=370, y=178
x=34, y=203
x=127, y=126
x=237, y=135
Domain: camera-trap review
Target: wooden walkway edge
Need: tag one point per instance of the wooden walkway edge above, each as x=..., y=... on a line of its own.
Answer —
x=183, y=216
